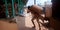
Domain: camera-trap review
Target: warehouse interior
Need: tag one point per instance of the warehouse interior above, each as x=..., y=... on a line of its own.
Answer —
x=14, y=14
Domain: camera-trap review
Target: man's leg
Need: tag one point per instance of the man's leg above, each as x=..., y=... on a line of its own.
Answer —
x=33, y=22
x=38, y=23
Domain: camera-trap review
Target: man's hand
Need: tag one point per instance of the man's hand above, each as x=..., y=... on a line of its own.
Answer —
x=28, y=11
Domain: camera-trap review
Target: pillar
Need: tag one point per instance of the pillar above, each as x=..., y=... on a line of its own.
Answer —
x=20, y=7
x=13, y=11
x=6, y=8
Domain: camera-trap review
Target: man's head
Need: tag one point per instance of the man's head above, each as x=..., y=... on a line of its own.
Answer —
x=29, y=7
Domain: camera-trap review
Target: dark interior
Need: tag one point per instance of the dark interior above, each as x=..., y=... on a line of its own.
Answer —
x=56, y=9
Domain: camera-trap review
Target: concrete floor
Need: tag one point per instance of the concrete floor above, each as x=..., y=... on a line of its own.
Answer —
x=23, y=23
x=4, y=25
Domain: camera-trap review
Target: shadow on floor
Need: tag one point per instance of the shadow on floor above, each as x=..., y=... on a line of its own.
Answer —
x=26, y=28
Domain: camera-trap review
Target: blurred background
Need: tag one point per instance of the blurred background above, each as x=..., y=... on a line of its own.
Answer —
x=14, y=16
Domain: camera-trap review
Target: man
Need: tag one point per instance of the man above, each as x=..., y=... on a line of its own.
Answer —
x=36, y=12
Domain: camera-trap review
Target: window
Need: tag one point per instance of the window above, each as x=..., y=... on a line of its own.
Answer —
x=38, y=2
